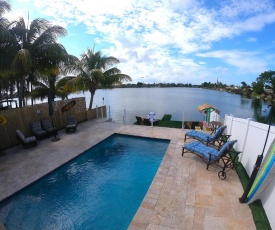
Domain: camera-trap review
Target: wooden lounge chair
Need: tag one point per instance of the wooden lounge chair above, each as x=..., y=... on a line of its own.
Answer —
x=71, y=124
x=139, y=120
x=213, y=156
x=37, y=130
x=146, y=121
x=27, y=142
x=206, y=138
x=48, y=127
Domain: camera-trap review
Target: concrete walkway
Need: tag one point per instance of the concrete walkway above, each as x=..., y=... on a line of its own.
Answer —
x=183, y=195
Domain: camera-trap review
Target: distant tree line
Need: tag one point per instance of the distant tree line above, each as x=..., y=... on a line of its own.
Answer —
x=263, y=87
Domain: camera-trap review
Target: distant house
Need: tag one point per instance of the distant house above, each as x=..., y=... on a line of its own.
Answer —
x=268, y=91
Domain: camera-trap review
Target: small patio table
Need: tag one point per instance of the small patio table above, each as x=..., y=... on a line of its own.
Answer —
x=215, y=126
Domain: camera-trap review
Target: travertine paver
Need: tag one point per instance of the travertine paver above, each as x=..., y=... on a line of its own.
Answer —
x=183, y=195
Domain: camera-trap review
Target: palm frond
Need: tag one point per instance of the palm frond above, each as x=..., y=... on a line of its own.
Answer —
x=50, y=35
x=22, y=61
x=40, y=93
x=4, y=6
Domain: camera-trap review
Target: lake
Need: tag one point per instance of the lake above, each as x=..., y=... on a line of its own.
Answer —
x=175, y=101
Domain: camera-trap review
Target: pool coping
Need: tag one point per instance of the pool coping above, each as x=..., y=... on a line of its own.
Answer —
x=167, y=204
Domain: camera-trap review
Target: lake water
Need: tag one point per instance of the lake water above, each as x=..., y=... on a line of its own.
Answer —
x=175, y=101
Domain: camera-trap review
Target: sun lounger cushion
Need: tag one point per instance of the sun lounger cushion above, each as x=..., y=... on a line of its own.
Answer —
x=201, y=149
x=206, y=151
x=47, y=126
x=26, y=141
x=37, y=129
x=205, y=137
x=71, y=124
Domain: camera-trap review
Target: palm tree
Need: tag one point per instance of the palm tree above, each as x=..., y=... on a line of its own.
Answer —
x=95, y=70
x=51, y=83
x=37, y=49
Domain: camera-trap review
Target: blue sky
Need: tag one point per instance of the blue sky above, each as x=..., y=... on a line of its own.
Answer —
x=190, y=41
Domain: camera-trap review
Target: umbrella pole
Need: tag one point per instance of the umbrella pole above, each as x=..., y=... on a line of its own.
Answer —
x=55, y=132
x=257, y=165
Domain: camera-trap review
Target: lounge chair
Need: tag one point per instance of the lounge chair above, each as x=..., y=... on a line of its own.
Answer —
x=27, y=142
x=213, y=156
x=71, y=124
x=206, y=138
x=48, y=126
x=139, y=120
x=37, y=130
x=146, y=122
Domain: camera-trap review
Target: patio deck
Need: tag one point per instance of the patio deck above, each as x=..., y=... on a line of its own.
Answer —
x=183, y=195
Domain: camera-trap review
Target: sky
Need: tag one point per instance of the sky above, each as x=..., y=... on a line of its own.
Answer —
x=167, y=41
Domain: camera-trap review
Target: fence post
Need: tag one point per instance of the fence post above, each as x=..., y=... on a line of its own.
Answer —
x=96, y=111
x=124, y=117
x=245, y=138
x=225, y=119
x=232, y=117
x=102, y=114
x=110, y=112
x=182, y=125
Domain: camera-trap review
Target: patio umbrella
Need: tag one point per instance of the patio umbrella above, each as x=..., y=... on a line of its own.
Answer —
x=3, y=120
x=68, y=106
x=51, y=115
x=207, y=110
x=208, y=107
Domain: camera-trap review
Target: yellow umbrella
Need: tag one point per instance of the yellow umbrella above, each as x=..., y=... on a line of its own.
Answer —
x=208, y=107
x=3, y=120
x=207, y=110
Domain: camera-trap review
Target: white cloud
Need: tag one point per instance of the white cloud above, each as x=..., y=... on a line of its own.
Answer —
x=156, y=39
x=247, y=62
x=252, y=39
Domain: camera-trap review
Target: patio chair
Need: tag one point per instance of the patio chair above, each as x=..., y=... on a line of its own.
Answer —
x=146, y=122
x=71, y=124
x=37, y=130
x=27, y=142
x=213, y=156
x=207, y=138
x=48, y=127
x=139, y=120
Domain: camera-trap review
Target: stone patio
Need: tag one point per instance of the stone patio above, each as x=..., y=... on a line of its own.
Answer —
x=183, y=195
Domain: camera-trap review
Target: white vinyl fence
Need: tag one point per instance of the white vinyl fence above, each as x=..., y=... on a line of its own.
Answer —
x=251, y=138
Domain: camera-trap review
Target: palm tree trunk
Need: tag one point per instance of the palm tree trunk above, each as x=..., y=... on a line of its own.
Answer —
x=31, y=97
x=91, y=99
x=21, y=91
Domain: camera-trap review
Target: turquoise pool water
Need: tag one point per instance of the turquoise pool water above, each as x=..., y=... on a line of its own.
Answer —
x=100, y=189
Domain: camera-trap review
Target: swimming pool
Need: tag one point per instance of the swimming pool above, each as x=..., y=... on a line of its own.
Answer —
x=100, y=189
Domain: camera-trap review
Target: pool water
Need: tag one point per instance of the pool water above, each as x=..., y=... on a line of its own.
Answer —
x=100, y=189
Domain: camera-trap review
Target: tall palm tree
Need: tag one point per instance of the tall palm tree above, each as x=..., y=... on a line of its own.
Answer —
x=37, y=49
x=95, y=70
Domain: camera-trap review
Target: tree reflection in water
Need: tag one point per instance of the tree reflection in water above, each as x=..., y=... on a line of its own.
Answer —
x=261, y=112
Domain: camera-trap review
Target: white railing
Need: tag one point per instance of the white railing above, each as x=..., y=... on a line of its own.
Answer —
x=251, y=138
x=120, y=116
x=127, y=117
